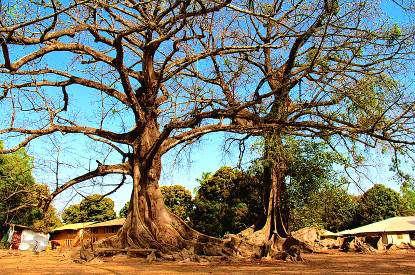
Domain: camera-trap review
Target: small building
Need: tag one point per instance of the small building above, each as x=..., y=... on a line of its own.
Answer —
x=72, y=235
x=23, y=238
x=69, y=235
x=396, y=230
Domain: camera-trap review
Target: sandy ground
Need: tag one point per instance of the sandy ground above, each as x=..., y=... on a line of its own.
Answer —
x=398, y=262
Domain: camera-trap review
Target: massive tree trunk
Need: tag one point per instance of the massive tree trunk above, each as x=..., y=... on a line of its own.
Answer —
x=149, y=224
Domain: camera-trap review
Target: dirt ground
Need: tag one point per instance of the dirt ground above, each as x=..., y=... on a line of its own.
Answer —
x=398, y=262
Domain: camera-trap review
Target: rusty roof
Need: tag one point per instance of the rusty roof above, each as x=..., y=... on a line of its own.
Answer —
x=115, y=222
x=73, y=226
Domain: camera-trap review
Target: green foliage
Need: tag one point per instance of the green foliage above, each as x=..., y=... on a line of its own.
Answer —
x=408, y=196
x=124, y=211
x=338, y=208
x=91, y=208
x=48, y=222
x=20, y=195
x=393, y=34
x=98, y=208
x=178, y=199
x=379, y=203
x=331, y=208
x=310, y=168
x=370, y=103
x=230, y=200
x=313, y=198
x=73, y=214
x=227, y=201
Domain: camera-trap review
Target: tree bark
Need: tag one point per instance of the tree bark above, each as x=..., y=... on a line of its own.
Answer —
x=274, y=178
x=149, y=224
x=270, y=231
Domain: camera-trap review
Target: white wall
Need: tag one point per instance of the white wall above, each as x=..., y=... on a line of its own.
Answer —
x=398, y=238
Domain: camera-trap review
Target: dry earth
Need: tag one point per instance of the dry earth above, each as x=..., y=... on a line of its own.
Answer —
x=398, y=262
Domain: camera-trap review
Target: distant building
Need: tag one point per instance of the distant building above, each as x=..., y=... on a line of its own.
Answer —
x=72, y=235
x=395, y=230
x=23, y=237
x=69, y=235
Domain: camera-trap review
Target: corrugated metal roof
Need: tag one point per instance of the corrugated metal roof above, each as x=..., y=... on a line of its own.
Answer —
x=114, y=222
x=73, y=226
x=396, y=224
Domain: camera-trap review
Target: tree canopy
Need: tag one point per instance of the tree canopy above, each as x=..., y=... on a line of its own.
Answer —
x=93, y=208
x=178, y=199
x=379, y=203
x=124, y=210
x=226, y=201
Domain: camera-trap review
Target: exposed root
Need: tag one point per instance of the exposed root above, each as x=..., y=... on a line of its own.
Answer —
x=176, y=241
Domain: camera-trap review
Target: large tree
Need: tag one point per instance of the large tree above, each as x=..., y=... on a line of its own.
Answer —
x=172, y=71
x=133, y=55
x=178, y=200
x=379, y=203
x=329, y=70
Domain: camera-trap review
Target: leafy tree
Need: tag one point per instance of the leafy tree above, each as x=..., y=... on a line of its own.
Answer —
x=98, y=208
x=20, y=195
x=226, y=201
x=312, y=198
x=73, y=214
x=124, y=210
x=310, y=170
x=338, y=208
x=48, y=221
x=310, y=175
x=17, y=187
x=379, y=203
x=179, y=200
x=330, y=207
x=91, y=208
x=408, y=196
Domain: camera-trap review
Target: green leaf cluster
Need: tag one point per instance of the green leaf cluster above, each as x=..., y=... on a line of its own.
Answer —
x=92, y=208
x=178, y=199
x=226, y=201
x=21, y=196
x=379, y=203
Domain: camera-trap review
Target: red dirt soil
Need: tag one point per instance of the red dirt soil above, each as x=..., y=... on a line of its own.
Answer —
x=398, y=262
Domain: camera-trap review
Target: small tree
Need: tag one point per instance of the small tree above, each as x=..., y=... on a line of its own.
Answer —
x=178, y=199
x=227, y=201
x=338, y=208
x=48, y=221
x=17, y=187
x=124, y=210
x=20, y=194
x=379, y=203
x=73, y=214
x=91, y=208
x=408, y=196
